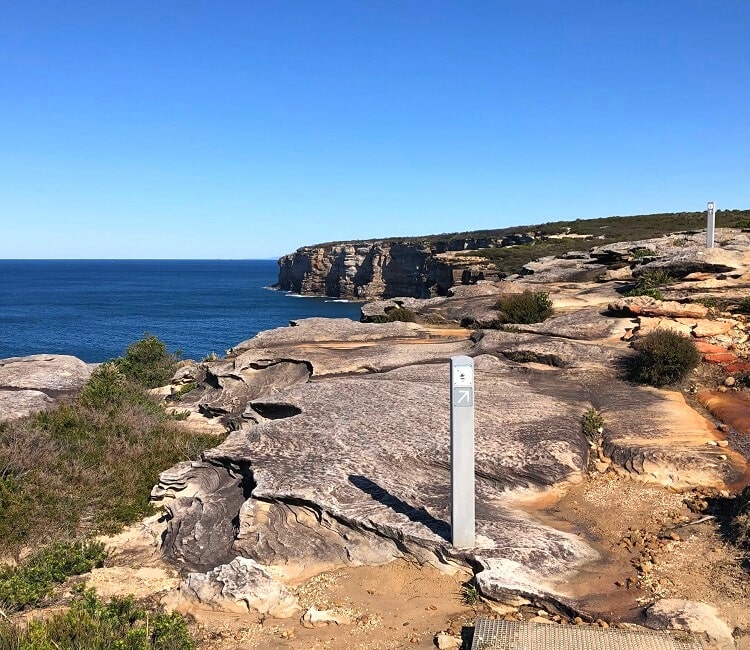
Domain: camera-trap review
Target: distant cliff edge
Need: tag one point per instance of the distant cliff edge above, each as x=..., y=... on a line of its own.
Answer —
x=424, y=267
x=385, y=269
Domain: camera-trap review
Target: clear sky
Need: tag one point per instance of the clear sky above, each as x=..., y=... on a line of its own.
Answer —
x=165, y=129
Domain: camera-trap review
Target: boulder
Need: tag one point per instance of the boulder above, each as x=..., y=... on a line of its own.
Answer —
x=623, y=273
x=445, y=641
x=242, y=586
x=584, y=325
x=647, y=325
x=732, y=408
x=477, y=290
x=38, y=382
x=690, y=616
x=49, y=373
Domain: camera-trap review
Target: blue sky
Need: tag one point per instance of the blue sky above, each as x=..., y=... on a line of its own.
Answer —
x=246, y=129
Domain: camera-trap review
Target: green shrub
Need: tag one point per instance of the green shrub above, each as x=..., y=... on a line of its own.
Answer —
x=29, y=583
x=663, y=357
x=402, y=314
x=147, y=362
x=654, y=293
x=744, y=306
x=640, y=253
x=106, y=388
x=654, y=278
x=91, y=624
x=527, y=307
x=470, y=594
x=592, y=423
x=394, y=314
x=647, y=283
x=710, y=302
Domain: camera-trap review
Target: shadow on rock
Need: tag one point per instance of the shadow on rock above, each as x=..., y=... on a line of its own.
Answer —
x=419, y=515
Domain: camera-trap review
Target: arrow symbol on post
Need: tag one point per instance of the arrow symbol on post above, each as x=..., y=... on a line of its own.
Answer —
x=464, y=396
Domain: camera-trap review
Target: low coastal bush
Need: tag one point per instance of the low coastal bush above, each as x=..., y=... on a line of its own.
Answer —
x=29, y=583
x=663, y=357
x=88, y=465
x=148, y=363
x=744, y=306
x=394, y=314
x=92, y=624
x=648, y=283
x=524, y=308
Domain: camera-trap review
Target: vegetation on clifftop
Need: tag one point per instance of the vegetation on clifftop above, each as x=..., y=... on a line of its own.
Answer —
x=83, y=468
x=88, y=465
x=92, y=624
x=610, y=229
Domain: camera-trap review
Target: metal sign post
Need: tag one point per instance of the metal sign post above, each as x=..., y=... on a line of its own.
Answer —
x=710, y=225
x=462, y=452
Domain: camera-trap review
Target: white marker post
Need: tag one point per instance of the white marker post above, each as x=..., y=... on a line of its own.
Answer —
x=462, y=452
x=710, y=225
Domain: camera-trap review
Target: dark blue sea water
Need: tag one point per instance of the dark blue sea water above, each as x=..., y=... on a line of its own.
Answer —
x=94, y=309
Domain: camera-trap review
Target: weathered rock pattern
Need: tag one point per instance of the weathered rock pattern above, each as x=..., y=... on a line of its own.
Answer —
x=241, y=586
x=202, y=501
x=37, y=382
x=321, y=461
x=16, y=404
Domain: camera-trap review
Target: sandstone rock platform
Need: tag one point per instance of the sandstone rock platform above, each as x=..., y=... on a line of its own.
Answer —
x=347, y=463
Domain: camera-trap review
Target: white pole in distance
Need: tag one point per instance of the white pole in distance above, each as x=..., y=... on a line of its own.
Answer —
x=710, y=225
x=462, y=452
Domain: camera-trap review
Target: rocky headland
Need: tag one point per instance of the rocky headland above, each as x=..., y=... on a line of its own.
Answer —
x=334, y=441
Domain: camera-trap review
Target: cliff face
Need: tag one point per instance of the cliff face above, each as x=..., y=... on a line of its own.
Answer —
x=369, y=270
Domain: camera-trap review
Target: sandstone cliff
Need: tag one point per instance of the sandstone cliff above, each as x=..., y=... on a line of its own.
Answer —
x=375, y=269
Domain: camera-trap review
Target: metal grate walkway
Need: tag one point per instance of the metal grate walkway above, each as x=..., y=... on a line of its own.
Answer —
x=490, y=634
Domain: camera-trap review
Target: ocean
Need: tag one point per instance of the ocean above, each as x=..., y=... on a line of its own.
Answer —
x=93, y=309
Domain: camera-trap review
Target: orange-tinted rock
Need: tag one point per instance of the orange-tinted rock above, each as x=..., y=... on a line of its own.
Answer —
x=740, y=366
x=721, y=357
x=647, y=306
x=704, y=347
x=732, y=408
x=706, y=327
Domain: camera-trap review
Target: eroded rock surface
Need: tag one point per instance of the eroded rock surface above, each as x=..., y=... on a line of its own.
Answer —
x=241, y=586
x=328, y=473
x=338, y=453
